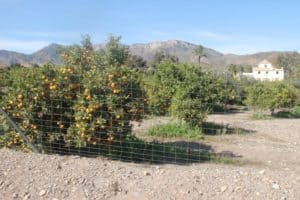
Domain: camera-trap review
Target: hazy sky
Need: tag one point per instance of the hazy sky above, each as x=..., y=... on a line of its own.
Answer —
x=229, y=26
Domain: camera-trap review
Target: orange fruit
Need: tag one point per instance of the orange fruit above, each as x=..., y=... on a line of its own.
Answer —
x=113, y=85
x=116, y=91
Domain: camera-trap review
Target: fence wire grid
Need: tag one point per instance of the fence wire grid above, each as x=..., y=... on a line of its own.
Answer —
x=161, y=116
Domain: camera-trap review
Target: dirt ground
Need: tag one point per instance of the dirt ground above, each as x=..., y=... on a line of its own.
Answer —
x=271, y=148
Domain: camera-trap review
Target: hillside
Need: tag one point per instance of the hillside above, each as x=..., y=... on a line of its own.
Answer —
x=46, y=54
x=181, y=49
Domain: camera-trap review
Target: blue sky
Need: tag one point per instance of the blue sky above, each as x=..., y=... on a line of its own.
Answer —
x=231, y=26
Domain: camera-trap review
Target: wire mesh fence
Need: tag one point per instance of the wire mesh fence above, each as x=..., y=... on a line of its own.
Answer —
x=126, y=114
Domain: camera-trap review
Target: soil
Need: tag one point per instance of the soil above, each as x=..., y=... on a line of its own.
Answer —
x=270, y=147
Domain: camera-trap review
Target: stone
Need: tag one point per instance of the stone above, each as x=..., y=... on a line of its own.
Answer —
x=42, y=192
x=146, y=173
x=275, y=186
x=15, y=195
x=223, y=188
x=26, y=197
x=261, y=172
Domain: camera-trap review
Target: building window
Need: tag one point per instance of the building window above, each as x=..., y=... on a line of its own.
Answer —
x=265, y=65
x=267, y=72
x=277, y=72
x=258, y=72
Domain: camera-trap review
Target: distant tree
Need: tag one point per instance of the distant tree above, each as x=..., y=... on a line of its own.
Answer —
x=270, y=95
x=15, y=66
x=136, y=62
x=116, y=53
x=86, y=43
x=290, y=62
x=161, y=55
x=232, y=69
x=199, y=52
x=247, y=68
x=35, y=66
x=83, y=56
x=237, y=69
x=185, y=91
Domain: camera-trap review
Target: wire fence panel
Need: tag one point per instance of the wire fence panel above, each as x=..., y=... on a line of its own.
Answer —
x=122, y=113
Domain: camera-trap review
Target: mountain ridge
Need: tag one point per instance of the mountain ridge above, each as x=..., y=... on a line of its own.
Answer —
x=179, y=48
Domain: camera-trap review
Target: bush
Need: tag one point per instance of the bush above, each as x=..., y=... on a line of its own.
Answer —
x=161, y=86
x=260, y=116
x=81, y=103
x=186, y=92
x=270, y=95
x=295, y=112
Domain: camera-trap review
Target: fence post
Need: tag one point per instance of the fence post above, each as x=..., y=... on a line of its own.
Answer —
x=13, y=124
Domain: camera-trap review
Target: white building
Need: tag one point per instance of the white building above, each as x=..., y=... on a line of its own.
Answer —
x=266, y=72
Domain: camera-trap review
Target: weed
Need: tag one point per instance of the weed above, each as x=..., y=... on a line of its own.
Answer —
x=179, y=130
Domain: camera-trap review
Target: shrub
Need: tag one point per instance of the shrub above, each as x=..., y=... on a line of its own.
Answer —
x=295, y=112
x=161, y=86
x=270, y=95
x=181, y=130
x=260, y=116
x=185, y=91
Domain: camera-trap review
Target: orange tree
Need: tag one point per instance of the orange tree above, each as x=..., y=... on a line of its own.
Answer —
x=270, y=95
x=87, y=101
x=186, y=92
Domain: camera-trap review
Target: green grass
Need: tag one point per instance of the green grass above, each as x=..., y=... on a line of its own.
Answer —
x=260, y=116
x=2, y=142
x=295, y=112
x=175, y=130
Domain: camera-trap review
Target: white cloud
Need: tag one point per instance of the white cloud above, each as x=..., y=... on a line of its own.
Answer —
x=24, y=46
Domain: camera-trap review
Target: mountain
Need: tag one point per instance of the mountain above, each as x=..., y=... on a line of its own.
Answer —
x=252, y=59
x=46, y=54
x=8, y=57
x=181, y=49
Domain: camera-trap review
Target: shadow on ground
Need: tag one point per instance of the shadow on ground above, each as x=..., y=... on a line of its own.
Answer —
x=229, y=111
x=211, y=128
x=133, y=149
x=286, y=115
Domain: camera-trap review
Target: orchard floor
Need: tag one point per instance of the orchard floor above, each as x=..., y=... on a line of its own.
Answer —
x=271, y=151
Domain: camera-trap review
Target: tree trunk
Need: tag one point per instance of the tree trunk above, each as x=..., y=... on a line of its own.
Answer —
x=272, y=111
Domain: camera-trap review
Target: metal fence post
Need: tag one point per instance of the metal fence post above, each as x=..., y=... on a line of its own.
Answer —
x=21, y=133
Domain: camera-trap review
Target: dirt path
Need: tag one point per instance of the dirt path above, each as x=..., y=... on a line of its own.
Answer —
x=274, y=143
x=273, y=147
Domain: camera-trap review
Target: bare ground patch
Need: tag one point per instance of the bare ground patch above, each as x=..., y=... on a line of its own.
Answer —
x=274, y=144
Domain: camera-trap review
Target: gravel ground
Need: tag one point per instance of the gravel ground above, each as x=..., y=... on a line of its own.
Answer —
x=272, y=149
